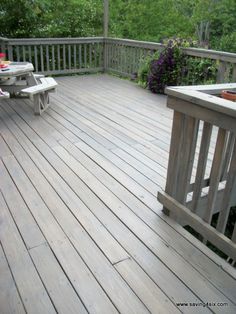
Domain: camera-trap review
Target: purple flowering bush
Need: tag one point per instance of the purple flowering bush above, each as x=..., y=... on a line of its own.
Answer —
x=172, y=67
x=167, y=70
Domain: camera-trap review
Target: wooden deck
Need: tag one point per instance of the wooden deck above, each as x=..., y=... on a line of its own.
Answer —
x=80, y=227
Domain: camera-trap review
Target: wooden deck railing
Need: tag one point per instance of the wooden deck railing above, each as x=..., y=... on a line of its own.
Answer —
x=124, y=57
x=93, y=54
x=201, y=179
x=58, y=55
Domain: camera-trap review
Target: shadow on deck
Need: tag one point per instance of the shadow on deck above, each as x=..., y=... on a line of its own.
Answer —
x=80, y=226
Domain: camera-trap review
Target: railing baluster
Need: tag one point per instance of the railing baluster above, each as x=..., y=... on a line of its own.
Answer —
x=10, y=53
x=201, y=167
x=41, y=58
x=64, y=57
x=85, y=55
x=234, y=73
x=226, y=201
x=18, y=53
x=69, y=56
x=228, y=155
x=75, y=56
x=53, y=57
x=24, y=58
x=96, y=55
x=120, y=57
x=187, y=152
x=100, y=57
x=47, y=58
x=221, y=72
x=59, y=57
x=80, y=57
x=125, y=68
x=216, y=173
x=30, y=54
x=90, y=55
x=174, y=156
x=36, y=58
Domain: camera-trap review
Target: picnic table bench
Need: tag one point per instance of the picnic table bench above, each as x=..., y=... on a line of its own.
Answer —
x=40, y=93
x=18, y=79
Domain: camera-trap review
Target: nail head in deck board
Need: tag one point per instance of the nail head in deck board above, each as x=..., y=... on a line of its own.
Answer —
x=10, y=301
x=30, y=287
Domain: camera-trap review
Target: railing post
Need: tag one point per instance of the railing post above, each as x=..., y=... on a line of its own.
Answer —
x=105, y=54
x=182, y=152
x=4, y=44
x=106, y=18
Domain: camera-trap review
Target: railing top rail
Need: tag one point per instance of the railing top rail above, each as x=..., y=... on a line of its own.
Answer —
x=195, y=52
x=39, y=41
x=4, y=39
x=211, y=54
x=135, y=43
x=205, y=96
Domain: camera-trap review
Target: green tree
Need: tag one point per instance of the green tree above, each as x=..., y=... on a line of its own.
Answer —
x=45, y=18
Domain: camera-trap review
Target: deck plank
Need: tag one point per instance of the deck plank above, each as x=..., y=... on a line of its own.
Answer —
x=10, y=301
x=30, y=287
x=58, y=286
x=82, y=179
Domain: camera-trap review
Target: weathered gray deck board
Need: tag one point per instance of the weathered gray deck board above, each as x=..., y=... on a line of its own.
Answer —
x=80, y=183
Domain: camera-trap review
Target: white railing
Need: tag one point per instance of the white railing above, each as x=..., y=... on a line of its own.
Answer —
x=201, y=179
x=93, y=54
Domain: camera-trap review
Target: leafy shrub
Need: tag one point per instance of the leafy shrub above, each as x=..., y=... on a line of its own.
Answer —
x=226, y=43
x=144, y=68
x=199, y=71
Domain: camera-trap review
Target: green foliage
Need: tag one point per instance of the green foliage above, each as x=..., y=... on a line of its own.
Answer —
x=147, y=20
x=227, y=42
x=199, y=71
x=45, y=18
x=173, y=67
x=144, y=68
x=210, y=22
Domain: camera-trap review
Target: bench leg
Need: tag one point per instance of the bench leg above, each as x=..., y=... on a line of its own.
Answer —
x=41, y=102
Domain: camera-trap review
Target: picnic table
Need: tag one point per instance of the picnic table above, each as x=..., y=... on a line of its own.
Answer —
x=18, y=79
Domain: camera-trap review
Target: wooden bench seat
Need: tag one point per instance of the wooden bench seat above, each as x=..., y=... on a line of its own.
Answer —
x=38, y=76
x=47, y=83
x=40, y=93
x=4, y=95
